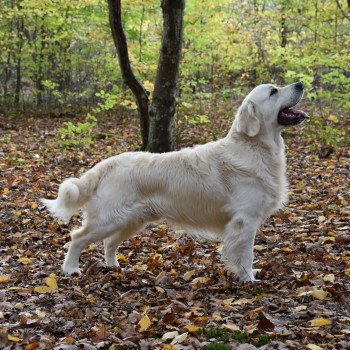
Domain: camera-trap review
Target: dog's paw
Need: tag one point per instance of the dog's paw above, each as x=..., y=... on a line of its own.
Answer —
x=70, y=270
x=248, y=276
x=248, y=279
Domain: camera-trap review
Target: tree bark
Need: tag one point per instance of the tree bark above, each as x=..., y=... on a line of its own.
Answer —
x=129, y=78
x=163, y=105
x=346, y=15
x=20, y=27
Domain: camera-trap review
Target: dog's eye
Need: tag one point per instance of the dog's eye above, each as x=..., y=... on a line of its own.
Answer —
x=273, y=91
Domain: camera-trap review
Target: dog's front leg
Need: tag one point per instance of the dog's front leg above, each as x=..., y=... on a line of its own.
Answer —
x=238, y=245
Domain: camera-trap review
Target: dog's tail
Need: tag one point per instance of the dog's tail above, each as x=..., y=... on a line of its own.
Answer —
x=73, y=193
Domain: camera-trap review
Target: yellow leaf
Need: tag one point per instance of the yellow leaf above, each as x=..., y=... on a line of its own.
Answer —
x=287, y=250
x=313, y=347
x=144, y=323
x=347, y=271
x=320, y=322
x=42, y=289
x=216, y=316
x=329, y=277
x=122, y=257
x=24, y=261
x=6, y=191
x=202, y=280
x=328, y=239
x=34, y=205
x=51, y=281
x=90, y=299
x=4, y=279
x=192, y=328
x=319, y=294
x=188, y=275
x=169, y=347
x=13, y=338
x=333, y=118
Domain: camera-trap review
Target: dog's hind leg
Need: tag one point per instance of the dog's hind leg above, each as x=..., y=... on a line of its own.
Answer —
x=112, y=242
x=238, y=245
x=81, y=239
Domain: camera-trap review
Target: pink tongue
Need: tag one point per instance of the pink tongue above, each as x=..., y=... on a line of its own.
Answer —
x=290, y=112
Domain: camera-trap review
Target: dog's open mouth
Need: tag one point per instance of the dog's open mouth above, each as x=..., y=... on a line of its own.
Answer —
x=291, y=116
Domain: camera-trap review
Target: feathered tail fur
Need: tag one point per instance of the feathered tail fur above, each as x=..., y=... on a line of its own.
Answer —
x=73, y=193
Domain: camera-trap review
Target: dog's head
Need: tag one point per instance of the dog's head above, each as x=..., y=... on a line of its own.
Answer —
x=270, y=106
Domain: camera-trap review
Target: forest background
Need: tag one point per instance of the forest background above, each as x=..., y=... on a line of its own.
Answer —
x=64, y=107
x=58, y=58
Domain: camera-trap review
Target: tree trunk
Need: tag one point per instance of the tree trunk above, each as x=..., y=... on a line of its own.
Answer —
x=163, y=105
x=130, y=80
x=20, y=27
x=283, y=28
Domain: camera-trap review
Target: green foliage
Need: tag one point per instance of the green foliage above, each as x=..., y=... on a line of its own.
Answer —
x=217, y=333
x=67, y=60
x=77, y=135
x=241, y=337
x=327, y=133
x=262, y=340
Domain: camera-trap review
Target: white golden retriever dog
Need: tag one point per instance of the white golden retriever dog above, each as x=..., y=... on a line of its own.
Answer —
x=221, y=190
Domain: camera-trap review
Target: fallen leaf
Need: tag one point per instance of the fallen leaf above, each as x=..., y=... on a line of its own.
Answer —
x=24, y=261
x=201, y=280
x=4, y=279
x=320, y=322
x=313, y=347
x=231, y=327
x=170, y=335
x=42, y=289
x=122, y=257
x=242, y=302
x=192, y=328
x=90, y=299
x=31, y=346
x=228, y=301
x=6, y=191
x=329, y=277
x=188, y=275
x=51, y=281
x=319, y=294
x=13, y=338
x=144, y=323
x=287, y=250
x=169, y=347
x=180, y=338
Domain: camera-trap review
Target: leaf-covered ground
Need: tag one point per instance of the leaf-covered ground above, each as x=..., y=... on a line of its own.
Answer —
x=172, y=292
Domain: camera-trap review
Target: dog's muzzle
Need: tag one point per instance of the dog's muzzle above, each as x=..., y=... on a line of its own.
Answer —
x=290, y=116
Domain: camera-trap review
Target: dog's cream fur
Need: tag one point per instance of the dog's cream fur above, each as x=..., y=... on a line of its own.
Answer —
x=220, y=191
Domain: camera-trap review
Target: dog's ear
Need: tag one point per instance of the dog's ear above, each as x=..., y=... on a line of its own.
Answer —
x=247, y=122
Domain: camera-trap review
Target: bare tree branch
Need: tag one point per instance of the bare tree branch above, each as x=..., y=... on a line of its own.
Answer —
x=130, y=80
x=345, y=14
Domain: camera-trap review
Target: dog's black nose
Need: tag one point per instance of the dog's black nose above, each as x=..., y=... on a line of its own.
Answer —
x=299, y=86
